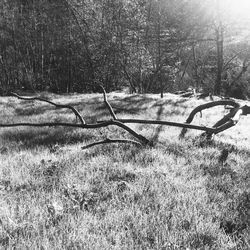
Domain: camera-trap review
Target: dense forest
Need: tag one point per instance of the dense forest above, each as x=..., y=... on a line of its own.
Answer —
x=145, y=46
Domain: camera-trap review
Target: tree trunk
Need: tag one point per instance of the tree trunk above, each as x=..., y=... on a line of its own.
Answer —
x=219, y=45
x=159, y=51
x=196, y=75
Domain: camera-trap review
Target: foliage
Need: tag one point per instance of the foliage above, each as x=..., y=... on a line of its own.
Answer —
x=147, y=45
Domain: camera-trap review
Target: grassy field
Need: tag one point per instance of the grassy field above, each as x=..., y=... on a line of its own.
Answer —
x=175, y=195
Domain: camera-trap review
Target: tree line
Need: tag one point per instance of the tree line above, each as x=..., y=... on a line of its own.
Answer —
x=145, y=46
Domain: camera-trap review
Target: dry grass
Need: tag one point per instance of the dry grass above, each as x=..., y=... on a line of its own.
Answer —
x=54, y=195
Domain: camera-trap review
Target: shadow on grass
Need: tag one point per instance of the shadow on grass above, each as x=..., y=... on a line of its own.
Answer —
x=218, y=170
x=159, y=128
x=234, y=218
x=30, y=108
x=30, y=138
x=175, y=103
x=202, y=241
x=222, y=145
x=135, y=104
x=230, y=188
x=137, y=108
x=114, y=174
x=127, y=105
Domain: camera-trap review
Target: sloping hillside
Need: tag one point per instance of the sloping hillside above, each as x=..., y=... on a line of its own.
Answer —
x=175, y=195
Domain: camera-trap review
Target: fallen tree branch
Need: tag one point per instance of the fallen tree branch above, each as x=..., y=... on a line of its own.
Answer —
x=111, y=111
x=83, y=126
x=175, y=124
x=225, y=126
x=131, y=131
x=226, y=122
x=77, y=114
x=106, y=141
x=226, y=118
x=207, y=106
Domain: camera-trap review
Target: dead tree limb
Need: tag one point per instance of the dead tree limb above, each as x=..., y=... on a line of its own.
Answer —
x=223, y=127
x=111, y=111
x=226, y=122
x=77, y=114
x=230, y=123
x=111, y=141
x=83, y=126
x=174, y=124
x=229, y=120
x=207, y=106
x=226, y=118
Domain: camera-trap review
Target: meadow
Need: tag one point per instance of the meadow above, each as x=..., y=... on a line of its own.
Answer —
x=173, y=195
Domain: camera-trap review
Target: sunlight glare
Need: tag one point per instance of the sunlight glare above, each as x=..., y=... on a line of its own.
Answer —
x=236, y=8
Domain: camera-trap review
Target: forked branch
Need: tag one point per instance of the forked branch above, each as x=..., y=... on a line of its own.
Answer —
x=230, y=122
x=83, y=125
x=77, y=114
x=207, y=106
x=111, y=111
x=226, y=122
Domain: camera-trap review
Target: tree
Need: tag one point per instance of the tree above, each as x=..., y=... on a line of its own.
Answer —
x=148, y=45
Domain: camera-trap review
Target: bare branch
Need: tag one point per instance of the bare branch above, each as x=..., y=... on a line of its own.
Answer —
x=128, y=129
x=111, y=141
x=229, y=120
x=237, y=116
x=232, y=58
x=210, y=105
x=83, y=126
x=185, y=68
x=226, y=122
x=77, y=114
x=226, y=118
x=83, y=33
x=175, y=124
x=111, y=111
x=206, y=106
x=245, y=65
x=225, y=126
